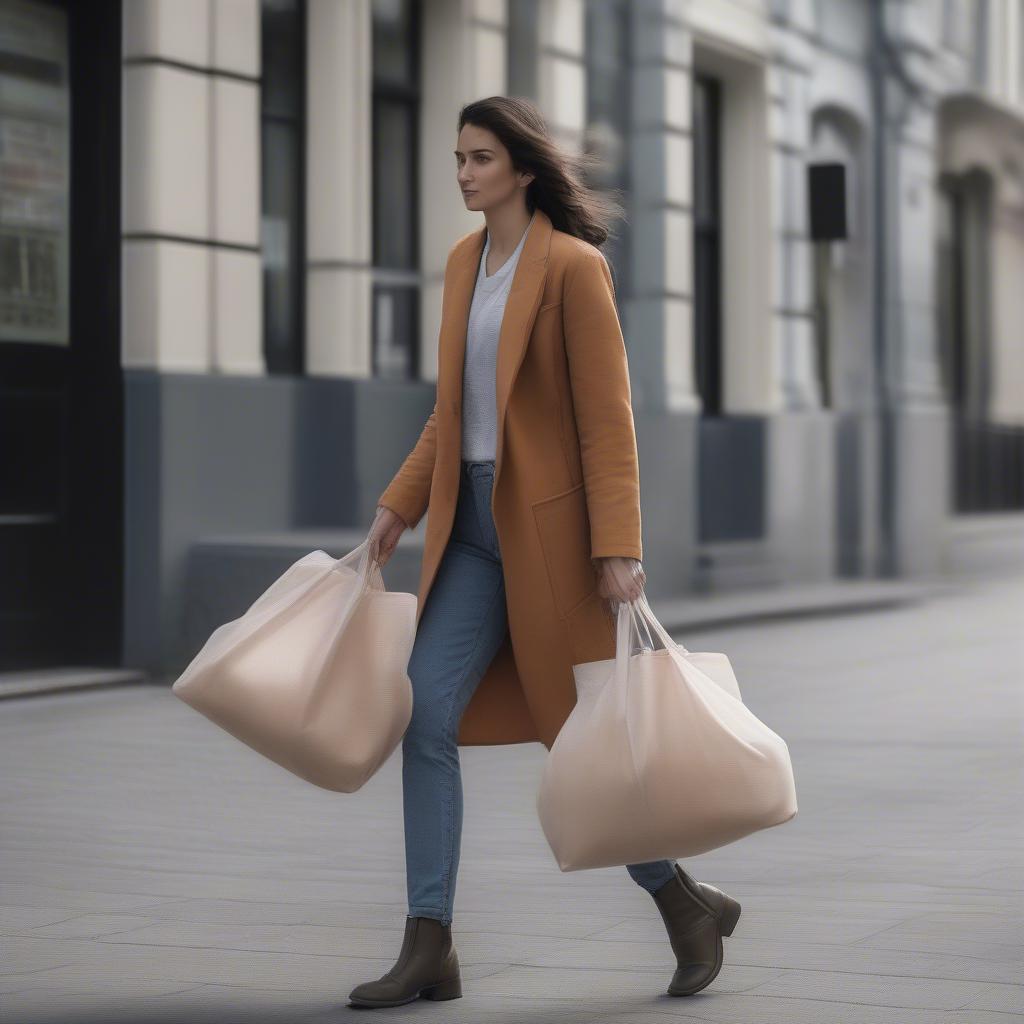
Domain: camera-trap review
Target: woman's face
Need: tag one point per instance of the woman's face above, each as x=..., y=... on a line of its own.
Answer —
x=484, y=169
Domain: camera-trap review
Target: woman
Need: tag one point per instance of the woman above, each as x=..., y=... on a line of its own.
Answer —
x=528, y=469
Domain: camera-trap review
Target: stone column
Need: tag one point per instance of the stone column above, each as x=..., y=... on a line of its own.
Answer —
x=561, y=76
x=660, y=310
x=464, y=59
x=339, y=163
x=192, y=265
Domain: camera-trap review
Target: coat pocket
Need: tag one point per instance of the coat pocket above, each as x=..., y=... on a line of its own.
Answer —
x=563, y=527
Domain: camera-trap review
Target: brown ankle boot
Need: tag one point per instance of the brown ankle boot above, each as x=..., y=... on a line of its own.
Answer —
x=696, y=916
x=427, y=966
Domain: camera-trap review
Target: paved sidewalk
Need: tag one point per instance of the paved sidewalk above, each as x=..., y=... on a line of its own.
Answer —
x=154, y=869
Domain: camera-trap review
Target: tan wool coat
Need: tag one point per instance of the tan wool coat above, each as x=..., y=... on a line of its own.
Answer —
x=566, y=482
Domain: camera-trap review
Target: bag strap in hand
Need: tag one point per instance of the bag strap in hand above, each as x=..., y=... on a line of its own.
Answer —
x=632, y=615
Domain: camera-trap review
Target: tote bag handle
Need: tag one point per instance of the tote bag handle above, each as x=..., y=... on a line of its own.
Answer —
x=634, y=615
x=367, y=566
x=639, y=615
x=646, y=614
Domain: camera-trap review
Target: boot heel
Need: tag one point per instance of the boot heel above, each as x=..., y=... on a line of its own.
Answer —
x=730, y=915
x=451, y=989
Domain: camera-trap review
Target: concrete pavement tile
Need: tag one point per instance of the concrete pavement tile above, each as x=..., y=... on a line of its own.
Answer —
x=780, y=900
x=20, y=919
x=30, y=894
x=1000, y=999
x=192, y=965
x=594, y=984
x=88, y=975
x=390, y=918
x=472, y=946
x=74, y=980
x=1002, y=878
x=225, y=885
x=879, y=989
x=969, y=926
x=32, y=980
x=191, y=1005
x=791, y=1013
x=710, y=1005
x=554, y=953
x=806, y=927
x=728, y=1008
x=859, y=959
x=33, y=954
x=472, y=1009
x=880, y=891
x=314, y=939
x=1002, y=959
x=88, y=926
x=973, y=1015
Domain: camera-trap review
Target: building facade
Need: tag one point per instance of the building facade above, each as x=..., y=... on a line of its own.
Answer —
x=818, y=277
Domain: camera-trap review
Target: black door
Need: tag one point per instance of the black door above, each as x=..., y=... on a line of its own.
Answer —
x=707, y=242
x=730, y=447
x=61, y=530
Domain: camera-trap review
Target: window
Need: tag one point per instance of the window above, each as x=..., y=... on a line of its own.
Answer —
x=522, y=48
x=283, y=100
x=395, y=123
x=1020, y=57
x=980, y=56
x=608, y=105
x=956, y=25
x=988, y=456
x=35, y=145
x=707, y=234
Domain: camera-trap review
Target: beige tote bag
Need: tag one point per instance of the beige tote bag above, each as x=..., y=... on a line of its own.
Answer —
x=659, y=758
x=313, y=675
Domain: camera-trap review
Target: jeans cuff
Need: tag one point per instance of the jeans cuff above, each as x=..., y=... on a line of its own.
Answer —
x=437, y=915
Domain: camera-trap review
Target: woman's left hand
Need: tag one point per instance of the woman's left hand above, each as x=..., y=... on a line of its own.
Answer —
x=622, y=579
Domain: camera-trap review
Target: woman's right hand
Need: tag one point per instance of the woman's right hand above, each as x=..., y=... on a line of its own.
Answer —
x=384, y=533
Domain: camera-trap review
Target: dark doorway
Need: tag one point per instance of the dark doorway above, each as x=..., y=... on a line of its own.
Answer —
x=61, y=431
x=707, y=242
x=988, y=466
x=730, y=447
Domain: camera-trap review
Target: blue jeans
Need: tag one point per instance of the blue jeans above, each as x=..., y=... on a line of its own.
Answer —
x=461, y=628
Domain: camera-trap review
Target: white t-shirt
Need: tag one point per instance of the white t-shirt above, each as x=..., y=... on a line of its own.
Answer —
x=479, y=372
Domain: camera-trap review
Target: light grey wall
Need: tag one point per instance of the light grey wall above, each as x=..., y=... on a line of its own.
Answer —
x=214, y=455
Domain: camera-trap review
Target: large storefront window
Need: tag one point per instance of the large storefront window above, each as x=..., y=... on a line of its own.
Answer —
x=283, y=118
x=522, y=46
x=34, y=173
x=707, y=242
x=62, y=440
x=396, y=104
x=988, y=451
x=608, y=106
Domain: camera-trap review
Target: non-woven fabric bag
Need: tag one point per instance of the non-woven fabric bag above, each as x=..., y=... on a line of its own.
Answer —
x=660, y=758
x=314, y=674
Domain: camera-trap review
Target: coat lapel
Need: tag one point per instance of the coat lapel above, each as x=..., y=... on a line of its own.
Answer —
x=520, y=313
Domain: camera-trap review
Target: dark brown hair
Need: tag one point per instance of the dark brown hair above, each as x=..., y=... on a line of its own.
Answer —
x=558, y=185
